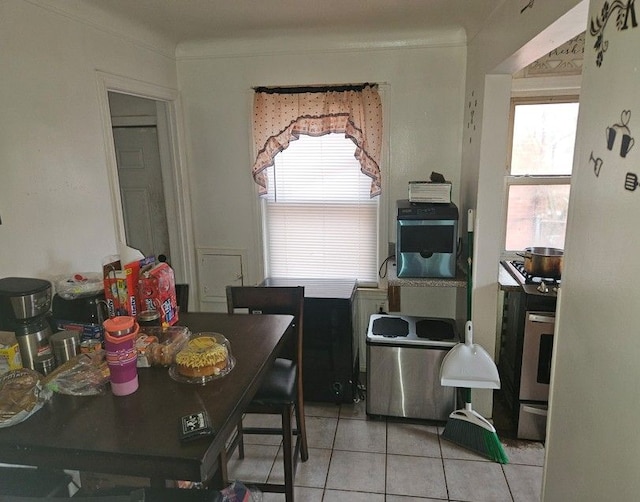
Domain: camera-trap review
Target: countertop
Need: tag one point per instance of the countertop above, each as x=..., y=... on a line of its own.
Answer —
x=459, y=281
x=317, y=288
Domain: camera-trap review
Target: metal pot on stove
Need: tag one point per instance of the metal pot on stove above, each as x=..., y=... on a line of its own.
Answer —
x=543, y=261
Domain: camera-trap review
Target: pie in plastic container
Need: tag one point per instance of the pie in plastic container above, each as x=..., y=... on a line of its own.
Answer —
x=22, y=393
x=205, y=357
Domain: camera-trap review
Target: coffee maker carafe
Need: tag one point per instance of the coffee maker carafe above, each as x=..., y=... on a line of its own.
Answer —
x=24, y=306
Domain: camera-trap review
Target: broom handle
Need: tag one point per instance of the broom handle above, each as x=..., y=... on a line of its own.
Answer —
x=470, y=222
x=466, y=395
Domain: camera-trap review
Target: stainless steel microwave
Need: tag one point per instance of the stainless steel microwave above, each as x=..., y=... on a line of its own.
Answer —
x=426, y=239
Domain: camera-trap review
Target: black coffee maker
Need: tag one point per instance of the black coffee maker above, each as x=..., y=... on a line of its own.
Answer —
x=24, y=309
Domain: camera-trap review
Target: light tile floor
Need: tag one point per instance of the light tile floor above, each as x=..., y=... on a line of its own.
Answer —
x=355, y=458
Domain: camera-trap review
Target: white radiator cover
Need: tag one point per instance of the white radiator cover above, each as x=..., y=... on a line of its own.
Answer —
x=368, y=301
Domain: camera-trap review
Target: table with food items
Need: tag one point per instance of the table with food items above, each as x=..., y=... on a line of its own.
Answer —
x=151, y=401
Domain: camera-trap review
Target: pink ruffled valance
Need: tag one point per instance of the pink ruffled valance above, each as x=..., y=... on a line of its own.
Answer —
x=279, y=118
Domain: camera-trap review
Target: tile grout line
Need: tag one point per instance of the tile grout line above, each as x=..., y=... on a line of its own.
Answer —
x=506, y=480
x=444, y=471
x=386, y=456
x=333, y=445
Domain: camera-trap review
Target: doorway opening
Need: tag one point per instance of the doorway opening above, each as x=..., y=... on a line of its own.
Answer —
x=137, y=136
x=148, y=180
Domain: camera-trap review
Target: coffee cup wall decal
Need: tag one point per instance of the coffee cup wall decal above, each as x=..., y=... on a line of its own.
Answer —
x=626, y=144
x=621, y=131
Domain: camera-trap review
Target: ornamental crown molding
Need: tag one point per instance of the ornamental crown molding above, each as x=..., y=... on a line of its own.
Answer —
x=565, y=60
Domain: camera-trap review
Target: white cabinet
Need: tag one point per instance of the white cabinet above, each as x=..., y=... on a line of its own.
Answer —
x=217, y=269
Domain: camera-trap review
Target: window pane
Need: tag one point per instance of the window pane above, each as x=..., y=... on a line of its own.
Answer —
x=320, y=221
x=536, y=216
x=544, y=135
x=318, y=169
x=322, y=241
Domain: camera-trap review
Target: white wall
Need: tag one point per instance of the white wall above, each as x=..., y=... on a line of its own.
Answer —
x=593, y=448
x=55, y=203
x=511, y=40
x=423, y=86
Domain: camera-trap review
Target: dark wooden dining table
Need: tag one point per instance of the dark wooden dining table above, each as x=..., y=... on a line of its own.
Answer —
x=138, y=434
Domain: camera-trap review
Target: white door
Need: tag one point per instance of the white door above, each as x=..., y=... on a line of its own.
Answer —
x=141, y=189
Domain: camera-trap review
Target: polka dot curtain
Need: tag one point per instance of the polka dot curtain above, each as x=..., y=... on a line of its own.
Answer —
x=280, y=117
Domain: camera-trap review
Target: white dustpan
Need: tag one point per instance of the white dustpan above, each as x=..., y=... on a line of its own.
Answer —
x=468, y=365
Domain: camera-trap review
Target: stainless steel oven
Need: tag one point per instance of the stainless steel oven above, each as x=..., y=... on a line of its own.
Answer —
x=526, y=349
x=537, y=349
x=535, y=374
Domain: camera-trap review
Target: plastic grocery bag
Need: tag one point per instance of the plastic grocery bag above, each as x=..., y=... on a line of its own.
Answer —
x=82, y=375
x=22, y=393
x=237, y=492
x=79, y=285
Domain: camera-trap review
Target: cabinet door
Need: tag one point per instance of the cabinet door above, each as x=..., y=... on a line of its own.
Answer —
x=218, y=269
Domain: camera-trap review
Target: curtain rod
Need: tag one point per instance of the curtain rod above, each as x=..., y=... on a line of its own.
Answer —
x=320, y=88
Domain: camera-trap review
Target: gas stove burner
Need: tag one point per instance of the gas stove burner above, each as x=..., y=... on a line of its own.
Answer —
x=527, y=278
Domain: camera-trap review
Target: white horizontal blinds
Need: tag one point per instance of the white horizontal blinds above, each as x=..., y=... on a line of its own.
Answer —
x=319, y=216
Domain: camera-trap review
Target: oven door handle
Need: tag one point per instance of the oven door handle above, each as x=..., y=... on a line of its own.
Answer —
x=542, y=318
x=534, y=410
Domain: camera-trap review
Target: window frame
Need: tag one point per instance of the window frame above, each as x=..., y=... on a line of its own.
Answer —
x=528, y=179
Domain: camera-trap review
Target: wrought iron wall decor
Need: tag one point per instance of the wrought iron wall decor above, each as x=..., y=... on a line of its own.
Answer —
x=618, y=139
x=597, y=164
x=631, y=182
x=472, y=106
x=621, y=132
x=528, y=5
x=624, y=12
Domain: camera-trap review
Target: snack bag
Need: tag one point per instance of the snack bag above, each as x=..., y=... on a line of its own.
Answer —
x=121, y=285
x=157, y=291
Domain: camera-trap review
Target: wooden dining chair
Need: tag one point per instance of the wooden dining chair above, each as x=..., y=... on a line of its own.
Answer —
x=182, y=297
x=281, y=392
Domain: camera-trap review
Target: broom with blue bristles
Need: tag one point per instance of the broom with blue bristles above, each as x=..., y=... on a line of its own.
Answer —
x=467, y=366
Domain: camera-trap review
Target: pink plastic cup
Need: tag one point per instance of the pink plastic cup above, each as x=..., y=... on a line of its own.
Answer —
x=120, y=346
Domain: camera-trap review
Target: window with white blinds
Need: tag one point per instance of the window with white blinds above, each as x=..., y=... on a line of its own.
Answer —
x=319, y=218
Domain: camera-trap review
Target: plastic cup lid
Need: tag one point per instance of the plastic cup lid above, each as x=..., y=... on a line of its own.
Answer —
x=119, y=325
